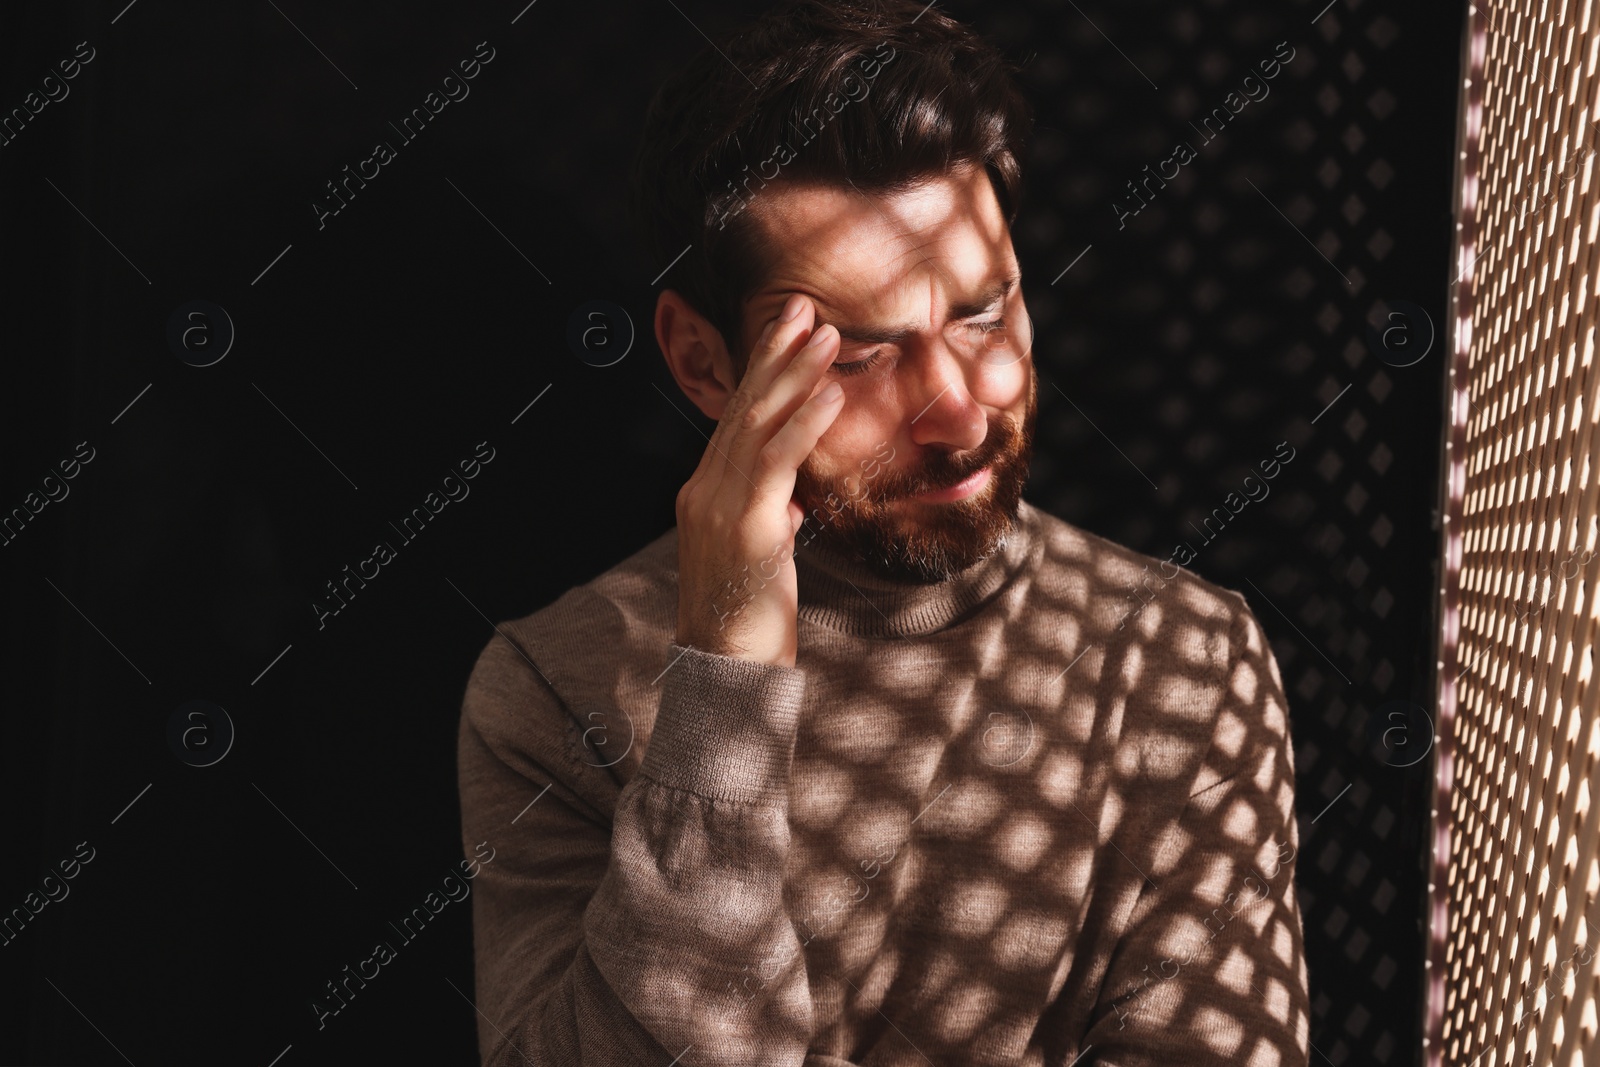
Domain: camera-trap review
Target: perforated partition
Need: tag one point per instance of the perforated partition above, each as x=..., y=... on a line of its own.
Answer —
x=1514, y=921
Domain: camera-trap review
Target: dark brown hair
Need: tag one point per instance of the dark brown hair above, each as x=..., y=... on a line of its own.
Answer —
x=881, y=94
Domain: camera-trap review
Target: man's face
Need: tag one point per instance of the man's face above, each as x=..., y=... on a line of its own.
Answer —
x=935, y=360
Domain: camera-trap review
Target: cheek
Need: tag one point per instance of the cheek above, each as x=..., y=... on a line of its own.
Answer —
x=999, y=376
x=1002, y=384
x=858, y=433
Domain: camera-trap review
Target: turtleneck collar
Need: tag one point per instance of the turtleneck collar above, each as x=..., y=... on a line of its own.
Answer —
x=843, y=594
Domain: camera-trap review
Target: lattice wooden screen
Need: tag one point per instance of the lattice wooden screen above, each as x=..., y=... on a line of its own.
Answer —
x=1515, y=925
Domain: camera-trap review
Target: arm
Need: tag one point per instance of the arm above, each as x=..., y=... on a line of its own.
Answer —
x=659, y=934
x=629, y=943
x=1211, y=971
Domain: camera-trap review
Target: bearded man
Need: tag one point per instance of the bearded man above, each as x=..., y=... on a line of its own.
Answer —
x=864, y=761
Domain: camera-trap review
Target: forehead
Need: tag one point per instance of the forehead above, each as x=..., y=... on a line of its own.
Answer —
x=862, y=256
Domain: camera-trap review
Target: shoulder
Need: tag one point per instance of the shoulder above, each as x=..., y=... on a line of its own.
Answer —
x=540, y=678
x=1124, y=594
x=1184, y=657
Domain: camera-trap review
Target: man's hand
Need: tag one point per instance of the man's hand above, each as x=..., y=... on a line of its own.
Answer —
x=737, y=592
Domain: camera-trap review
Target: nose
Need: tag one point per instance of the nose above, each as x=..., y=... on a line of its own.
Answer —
x=945, y=415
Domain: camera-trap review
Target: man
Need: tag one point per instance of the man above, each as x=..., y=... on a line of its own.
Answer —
x=867, y=760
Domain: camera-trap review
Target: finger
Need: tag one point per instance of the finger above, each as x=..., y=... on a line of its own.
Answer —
x=772, y=352
x=714, y=462
x=782, y=397
x=778, y=340
x=781, y=457
x=798, y=380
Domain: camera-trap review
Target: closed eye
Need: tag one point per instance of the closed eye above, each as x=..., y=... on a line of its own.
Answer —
x=983, y=326
x=859, y=365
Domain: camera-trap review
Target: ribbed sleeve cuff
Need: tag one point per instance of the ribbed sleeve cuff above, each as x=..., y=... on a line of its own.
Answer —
x=725, y=727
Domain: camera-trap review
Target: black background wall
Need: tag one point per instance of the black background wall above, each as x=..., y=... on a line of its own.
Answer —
x=375, y=351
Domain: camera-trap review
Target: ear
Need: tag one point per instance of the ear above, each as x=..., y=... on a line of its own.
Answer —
x=696, y=354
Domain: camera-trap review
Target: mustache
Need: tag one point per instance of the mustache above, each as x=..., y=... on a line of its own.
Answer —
x=942, y=471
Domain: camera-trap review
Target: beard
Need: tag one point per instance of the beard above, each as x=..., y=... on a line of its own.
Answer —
x=920, y=542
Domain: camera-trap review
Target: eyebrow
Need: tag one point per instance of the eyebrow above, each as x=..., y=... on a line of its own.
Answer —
x=890, y=335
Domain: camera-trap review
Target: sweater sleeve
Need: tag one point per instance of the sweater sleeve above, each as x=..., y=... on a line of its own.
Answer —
x=1211, y=969
x=659, y=935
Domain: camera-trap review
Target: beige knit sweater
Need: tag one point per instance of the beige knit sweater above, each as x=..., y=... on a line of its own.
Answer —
x=1040, y=814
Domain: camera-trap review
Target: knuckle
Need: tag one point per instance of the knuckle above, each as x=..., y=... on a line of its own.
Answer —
x=688, y=497
x=769, y=460
x=743, y=534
